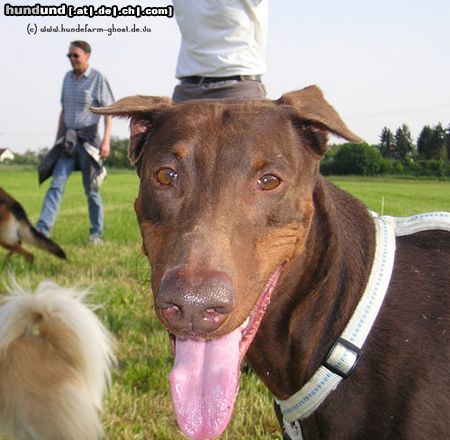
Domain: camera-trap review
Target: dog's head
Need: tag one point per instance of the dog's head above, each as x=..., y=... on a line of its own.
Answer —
x=225, y=203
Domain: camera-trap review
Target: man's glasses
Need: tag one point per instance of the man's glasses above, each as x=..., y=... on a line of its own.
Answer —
x=72, y=55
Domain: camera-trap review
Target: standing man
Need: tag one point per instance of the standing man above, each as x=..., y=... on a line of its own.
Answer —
x=78, y=145
x=222, y=53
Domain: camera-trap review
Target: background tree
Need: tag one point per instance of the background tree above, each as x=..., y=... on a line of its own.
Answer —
x=30, y=157
x=431, y=143
x=387, y=144
x=423, y=142
x=404, y=143
x=118, y=157
x=356, y=159
x=447, y=141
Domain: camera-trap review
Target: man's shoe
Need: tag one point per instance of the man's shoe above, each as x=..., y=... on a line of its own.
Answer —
x=42, y=231
x=95, y=239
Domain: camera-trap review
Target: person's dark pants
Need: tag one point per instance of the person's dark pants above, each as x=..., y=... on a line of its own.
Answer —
x=228, y=89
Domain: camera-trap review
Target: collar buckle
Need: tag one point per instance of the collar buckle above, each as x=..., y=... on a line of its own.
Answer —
x=342, y=358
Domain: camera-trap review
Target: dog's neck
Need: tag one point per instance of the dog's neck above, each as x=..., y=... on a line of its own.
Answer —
x=318, y=293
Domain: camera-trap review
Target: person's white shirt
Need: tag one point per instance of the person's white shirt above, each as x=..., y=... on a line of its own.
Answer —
x=221, y=38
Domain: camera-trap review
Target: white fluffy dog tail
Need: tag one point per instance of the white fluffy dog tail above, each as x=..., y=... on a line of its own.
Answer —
x=69, y=356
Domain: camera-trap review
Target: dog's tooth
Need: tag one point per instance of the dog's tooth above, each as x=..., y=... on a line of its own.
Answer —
x=245, y=323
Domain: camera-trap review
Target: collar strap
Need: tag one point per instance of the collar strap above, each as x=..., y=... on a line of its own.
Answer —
x=421, y=222
x=345, y=353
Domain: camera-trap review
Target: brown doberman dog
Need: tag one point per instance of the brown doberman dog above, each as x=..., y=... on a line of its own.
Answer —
x=234, y=214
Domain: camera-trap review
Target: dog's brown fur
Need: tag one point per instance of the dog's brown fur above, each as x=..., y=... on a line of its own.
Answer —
x=15, y=228
x=215, y=221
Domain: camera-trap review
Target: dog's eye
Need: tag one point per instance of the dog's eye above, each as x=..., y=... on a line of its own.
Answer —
x=269, y=182
x=166, y=176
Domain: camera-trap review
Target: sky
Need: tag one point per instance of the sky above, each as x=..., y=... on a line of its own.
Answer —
x=380, y=63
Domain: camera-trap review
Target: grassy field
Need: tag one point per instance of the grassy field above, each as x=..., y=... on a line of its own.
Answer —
x=138, y=405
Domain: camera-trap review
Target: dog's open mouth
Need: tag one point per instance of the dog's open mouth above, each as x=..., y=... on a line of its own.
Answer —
x=205, y=378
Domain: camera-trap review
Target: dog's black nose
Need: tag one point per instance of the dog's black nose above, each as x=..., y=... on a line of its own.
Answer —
x=196, y=303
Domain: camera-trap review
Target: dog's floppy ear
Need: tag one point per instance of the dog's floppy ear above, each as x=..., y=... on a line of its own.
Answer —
x=140, y=109
x=314, y=117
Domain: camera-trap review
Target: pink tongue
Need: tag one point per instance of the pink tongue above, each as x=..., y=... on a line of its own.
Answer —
x=204, y=383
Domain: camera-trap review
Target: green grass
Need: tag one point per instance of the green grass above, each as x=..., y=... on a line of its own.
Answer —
x=399, y=197
x=138, y=405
